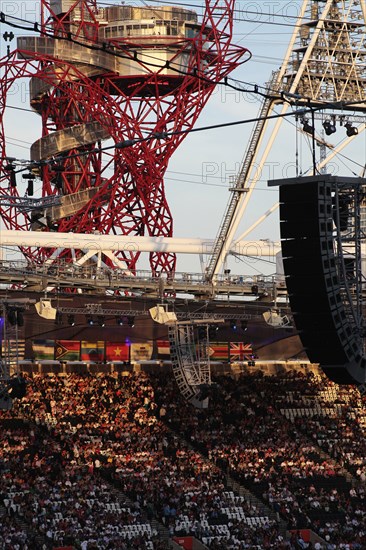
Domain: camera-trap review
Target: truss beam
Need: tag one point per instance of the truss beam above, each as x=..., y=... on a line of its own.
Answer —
x=191, y=363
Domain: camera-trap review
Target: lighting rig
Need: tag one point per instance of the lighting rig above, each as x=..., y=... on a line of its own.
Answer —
x=96, y=315
x=334, y=122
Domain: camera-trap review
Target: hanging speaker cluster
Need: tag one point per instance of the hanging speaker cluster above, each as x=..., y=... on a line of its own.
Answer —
x=15, y=316
x=314, y=278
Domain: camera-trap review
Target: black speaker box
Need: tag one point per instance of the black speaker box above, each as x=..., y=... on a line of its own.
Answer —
x=312, y=278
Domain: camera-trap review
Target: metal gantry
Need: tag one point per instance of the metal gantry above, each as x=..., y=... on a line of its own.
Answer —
x=95, y=280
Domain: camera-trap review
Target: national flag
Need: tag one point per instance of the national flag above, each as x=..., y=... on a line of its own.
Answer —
x=240, y=351
x=43, y=350
x=92, y=351
x=219, y=351
x=141, y=352
x=117, y=351
x=67, y=350
x=163, y=347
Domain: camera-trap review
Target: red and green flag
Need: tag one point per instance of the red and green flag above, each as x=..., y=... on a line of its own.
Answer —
x=43, y=350
x=67, y=350
x=219, y=351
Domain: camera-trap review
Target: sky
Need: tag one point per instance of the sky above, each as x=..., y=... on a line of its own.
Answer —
x=199, y=174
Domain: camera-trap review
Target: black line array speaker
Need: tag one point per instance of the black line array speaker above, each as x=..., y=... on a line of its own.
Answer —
x=306, y=221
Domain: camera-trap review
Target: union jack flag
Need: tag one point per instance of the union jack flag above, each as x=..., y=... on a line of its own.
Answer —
x=240, y=351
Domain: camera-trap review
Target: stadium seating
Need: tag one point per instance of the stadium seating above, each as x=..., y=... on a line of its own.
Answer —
x=103, y=460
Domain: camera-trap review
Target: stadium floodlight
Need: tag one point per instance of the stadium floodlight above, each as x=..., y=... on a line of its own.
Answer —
x=307, y=127
x=329, y=126
x=244, y=325
x=351, y=130
x=71, y=320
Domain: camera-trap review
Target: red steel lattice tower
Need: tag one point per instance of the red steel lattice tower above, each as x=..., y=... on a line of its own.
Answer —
x=116, y=88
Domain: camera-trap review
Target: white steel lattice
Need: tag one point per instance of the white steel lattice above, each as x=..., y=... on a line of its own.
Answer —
x=328, y=60
x=324, y=66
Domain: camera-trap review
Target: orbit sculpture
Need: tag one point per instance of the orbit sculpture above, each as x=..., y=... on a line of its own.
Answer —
x=117, y=89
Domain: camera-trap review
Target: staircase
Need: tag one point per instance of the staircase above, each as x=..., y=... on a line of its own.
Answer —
x=163, y=532
x=241, y=180
x=264, y=510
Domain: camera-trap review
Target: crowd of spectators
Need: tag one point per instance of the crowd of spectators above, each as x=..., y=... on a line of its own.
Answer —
x=94, y=431
x=245, y=432
x=101, y=461
x=340, y=432
x=59, y=501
